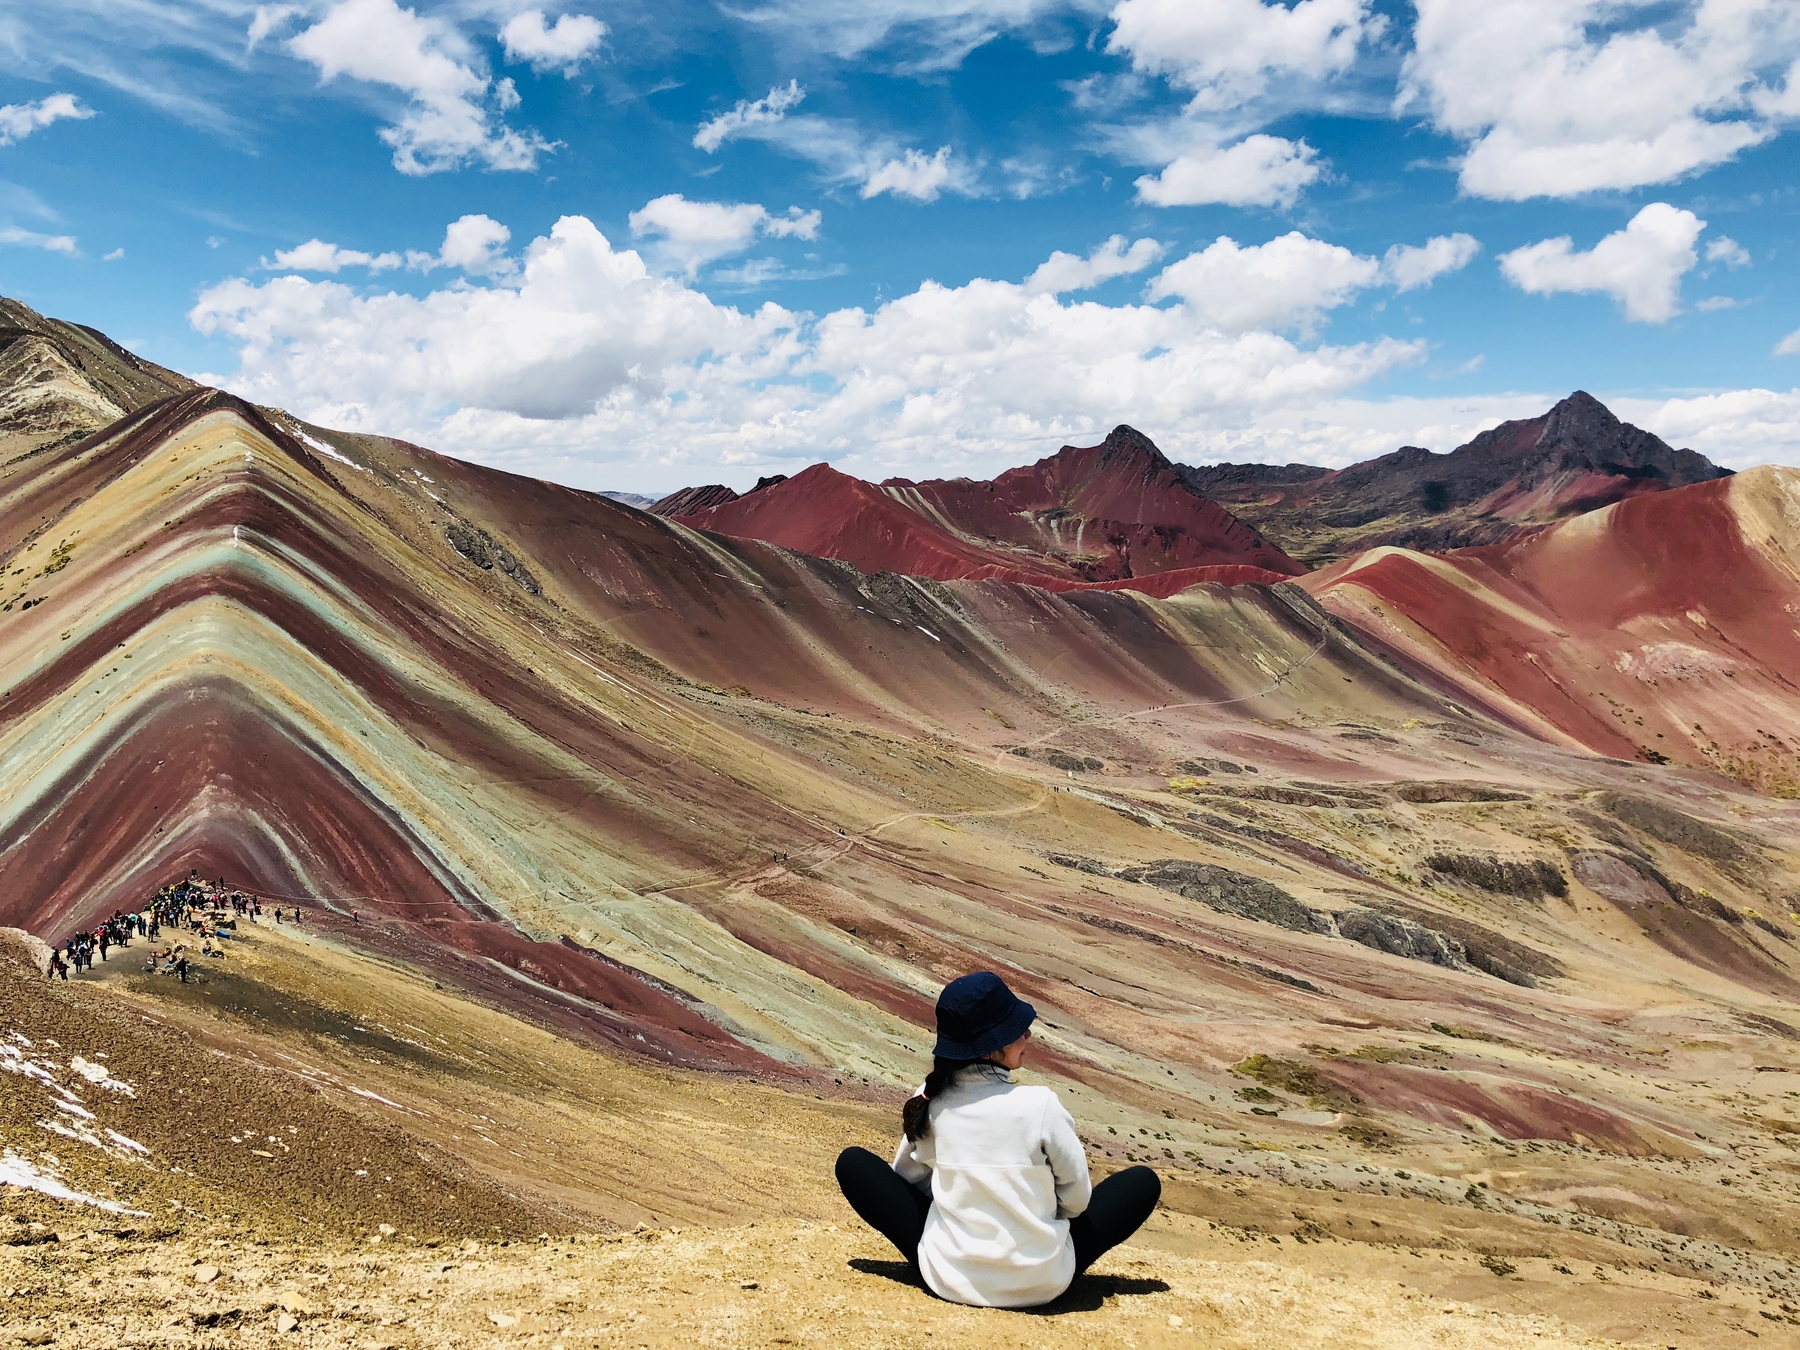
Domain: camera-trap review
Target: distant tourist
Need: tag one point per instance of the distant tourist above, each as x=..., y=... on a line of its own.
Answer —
x=988, y=1195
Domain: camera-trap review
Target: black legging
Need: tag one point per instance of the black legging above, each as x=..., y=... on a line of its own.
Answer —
x=896, y=1209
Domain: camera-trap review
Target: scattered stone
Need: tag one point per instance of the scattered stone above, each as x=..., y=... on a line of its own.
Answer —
x=502, y=1320
x=206, y=1274
x=287, y=1322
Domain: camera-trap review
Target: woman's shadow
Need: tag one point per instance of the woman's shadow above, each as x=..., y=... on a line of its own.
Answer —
x=1088, y=1294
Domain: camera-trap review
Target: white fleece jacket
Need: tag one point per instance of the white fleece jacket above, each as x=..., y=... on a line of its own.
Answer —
x=1007, y=1173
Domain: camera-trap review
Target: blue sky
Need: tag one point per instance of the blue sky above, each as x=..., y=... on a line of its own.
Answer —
x=637, y=246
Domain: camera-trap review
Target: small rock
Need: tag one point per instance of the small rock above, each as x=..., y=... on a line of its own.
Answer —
x=206, y=1274
x=503, y=1320
x=1174, y=1321
x=748, y=1284
x=294, y=1303
x=36, y=1336
x=286, y=1322
x=387, y=1230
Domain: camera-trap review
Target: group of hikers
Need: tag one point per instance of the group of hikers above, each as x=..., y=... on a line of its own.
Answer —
x=193, y=906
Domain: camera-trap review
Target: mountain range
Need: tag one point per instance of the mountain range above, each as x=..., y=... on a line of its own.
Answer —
x=1121, y=514
x=1408, y=873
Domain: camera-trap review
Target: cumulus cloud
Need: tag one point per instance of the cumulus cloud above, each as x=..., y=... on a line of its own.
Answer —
x=448, y=121
x=1407, y=267
x=914, y=175
x=1288, y=282
x=563, y=45
x=475, y=244
x=1228, y=51
x=1259, y=170
x=1789, y=345
x=1062, y=272
x=16, y=237
x=749, y=115
x=1640, y=266
x=315, y=255
x=19, y=120
x=585, y=345
x=1552, y=102
x=1739, y=428
x=1242, y=62
x=691, y=234
x=1727, y=250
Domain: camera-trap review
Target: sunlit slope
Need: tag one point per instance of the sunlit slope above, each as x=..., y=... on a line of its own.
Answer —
x=1660, y=626
x=230, y=648
x=737, y=808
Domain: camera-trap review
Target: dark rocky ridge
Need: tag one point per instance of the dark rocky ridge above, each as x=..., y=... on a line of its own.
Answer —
x=1577, y=457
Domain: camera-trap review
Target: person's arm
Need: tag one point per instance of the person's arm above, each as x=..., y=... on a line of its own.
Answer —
x=1068, y=1161
x=907, y=1164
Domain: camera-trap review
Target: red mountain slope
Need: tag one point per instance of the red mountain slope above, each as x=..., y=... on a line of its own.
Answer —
x=1659, y=626
x=1115, y=514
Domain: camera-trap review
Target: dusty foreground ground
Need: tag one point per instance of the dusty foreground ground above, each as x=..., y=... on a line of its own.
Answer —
x=318, y=1146
x=789, y=1283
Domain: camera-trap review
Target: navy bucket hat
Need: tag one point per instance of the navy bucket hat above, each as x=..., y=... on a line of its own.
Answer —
x=977, y=1014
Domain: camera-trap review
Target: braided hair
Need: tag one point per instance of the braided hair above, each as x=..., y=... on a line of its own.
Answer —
x=915, y=1116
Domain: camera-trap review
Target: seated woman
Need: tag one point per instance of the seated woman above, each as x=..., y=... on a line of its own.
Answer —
x=988, y=1195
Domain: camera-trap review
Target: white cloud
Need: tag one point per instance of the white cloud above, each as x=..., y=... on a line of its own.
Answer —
x=563, y=45
x=843, y=154
x=315, y=255
x=1738, y=428
x=691, y=234
x=1407, y=267
x=1640, y=266
x=477, y=245
x=748, y=115
x=914, y=175
x=928, y=34
x=1288, y=282
x=1068, y=272
x=587, y=347
x=114, y=256
x=1227, y=51
x=447, y=123
x=54, y=243
x=1244, y=63
x=1552, y=102
x=1789, y=345
x=1727, y=250
x=19, y=120
x=269, y=19
x=1259, y=170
